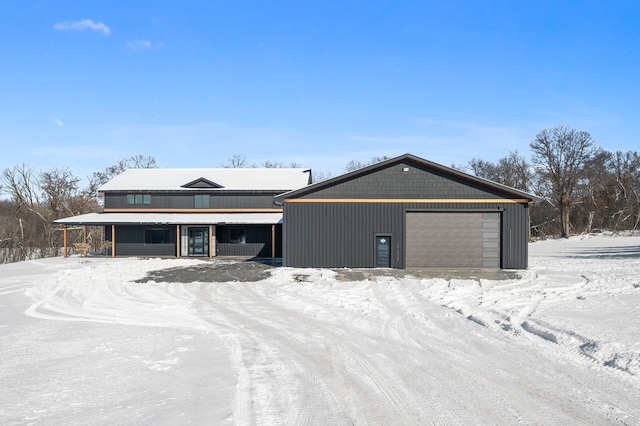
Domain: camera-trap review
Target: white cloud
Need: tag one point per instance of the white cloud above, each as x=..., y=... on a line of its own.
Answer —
x=142, y=45
x=85, y=24
x=59, y=122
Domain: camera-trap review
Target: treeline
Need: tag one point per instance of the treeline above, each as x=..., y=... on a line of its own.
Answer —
x=37, y=198
x=583, y=189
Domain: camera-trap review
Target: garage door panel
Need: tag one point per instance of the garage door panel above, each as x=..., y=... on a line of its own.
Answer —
x=452, y=240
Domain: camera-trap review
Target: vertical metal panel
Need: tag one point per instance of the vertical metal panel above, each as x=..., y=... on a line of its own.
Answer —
x=342, y=234
x=407, y=179
x=257, y=241
x=279, y=240
x=129, y=241
x=186, y=200
x=515, y=230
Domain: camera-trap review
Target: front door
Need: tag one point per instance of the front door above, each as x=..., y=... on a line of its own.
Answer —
x=383, y=251
x=198, y=241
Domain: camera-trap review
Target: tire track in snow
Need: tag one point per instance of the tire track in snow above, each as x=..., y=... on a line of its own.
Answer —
x=409, y=303
x=266, y=342
x=377, y=376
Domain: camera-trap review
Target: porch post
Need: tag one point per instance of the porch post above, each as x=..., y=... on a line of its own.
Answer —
x=64, y=240
x=113, y=241
x=85, y=249
x=273, y=241
x=211, y=241
x=177, y=240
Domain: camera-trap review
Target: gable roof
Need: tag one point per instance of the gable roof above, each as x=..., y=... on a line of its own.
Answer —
x=201, y=183
x=310, y=189
x=244, y=179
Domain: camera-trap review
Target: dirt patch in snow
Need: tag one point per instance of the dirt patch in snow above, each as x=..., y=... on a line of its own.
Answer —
x=215, y=271
x=253, y=270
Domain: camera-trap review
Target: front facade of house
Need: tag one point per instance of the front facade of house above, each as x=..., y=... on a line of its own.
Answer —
x=194, y=212
x=406, y=212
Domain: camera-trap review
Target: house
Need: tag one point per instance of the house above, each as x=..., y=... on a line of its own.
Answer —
x=406, y=212
x=194, y=212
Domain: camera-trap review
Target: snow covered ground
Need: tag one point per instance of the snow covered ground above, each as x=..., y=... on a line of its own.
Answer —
x=82, y=343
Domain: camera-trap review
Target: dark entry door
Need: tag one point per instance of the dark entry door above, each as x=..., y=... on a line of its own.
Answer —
x=198, y=241
x=383, y=251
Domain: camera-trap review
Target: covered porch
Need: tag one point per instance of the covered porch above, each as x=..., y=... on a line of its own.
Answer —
x=184, y=234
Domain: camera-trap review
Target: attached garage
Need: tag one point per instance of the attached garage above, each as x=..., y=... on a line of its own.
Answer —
x=406, y=212
x=452, y=240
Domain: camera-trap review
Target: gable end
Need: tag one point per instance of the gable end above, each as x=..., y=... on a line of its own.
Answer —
x=406, y=178
x=201, y=183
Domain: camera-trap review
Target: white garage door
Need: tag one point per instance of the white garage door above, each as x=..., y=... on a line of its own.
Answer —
x=452, y=240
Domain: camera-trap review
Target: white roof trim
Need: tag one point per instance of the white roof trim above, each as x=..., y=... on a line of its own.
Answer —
x=172, y=219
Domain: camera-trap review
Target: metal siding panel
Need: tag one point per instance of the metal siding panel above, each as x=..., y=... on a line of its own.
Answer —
x=339, y=235
x=515, y=231
x=130, y=242
x=186, y=201
x=258, y=241
x=418, y=182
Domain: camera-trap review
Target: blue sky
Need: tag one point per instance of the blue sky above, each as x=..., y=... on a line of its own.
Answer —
x=85, y=83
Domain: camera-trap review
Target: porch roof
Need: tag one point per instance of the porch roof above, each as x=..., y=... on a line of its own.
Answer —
x=172, y=219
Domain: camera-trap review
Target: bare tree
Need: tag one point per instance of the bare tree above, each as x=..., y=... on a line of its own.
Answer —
x=560, y=155
x=236, y=161
x=137, y=161
x=272, y=164
x=279, y=165
x=357, y=164
x=512, y=170
x=60, y=189
x=37, y=200
x=20, y=183
x=319, y=176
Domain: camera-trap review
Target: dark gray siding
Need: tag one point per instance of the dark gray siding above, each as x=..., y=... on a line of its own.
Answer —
x=339, y=235
x=217, y=200
x=417, y=182
x=343, y=234
x=130, y=242
x=515, y=236
x=258, y=241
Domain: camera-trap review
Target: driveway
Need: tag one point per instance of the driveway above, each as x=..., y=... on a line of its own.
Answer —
x=257, y=269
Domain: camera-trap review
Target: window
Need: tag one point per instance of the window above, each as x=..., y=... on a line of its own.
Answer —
x=157, y=236
x=139, y=199
x=237, y=236
x=202, y=201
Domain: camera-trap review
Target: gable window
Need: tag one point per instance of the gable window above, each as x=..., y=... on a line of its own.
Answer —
x=201, y=201
x=157, y=236
x=237, y=236
x=139, y=199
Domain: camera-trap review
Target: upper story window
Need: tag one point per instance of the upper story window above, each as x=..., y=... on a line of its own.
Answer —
x=201, y=201
x=138, y=199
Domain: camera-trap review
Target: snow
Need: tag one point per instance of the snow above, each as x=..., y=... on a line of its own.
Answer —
x=83, y=343
x=255, y=179
x=172, y=218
